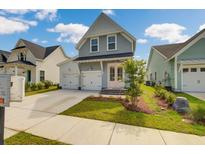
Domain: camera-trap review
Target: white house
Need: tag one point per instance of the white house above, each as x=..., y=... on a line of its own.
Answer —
x=34, y=62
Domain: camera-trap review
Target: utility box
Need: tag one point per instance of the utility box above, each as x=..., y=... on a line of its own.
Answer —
x=17, y=88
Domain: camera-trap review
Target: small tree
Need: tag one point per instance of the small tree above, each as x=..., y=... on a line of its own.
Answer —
x=135, y=72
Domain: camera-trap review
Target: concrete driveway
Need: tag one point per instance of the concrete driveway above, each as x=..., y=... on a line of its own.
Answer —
x=200, y=95
x=35, y=109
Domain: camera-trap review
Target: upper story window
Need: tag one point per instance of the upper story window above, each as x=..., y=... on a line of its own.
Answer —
x=111, y=42
x=22, y=57
x=94, y=45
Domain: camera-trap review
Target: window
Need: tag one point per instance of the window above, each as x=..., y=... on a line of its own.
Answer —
x=22, y=57
x=94, y=44
x=28, y=76
x=151, y=76
x=112, y=74
x=155, y=76
x=119, y=73
x=42, y=75
x=185, y=70
x=202, y=69
x=193, y=69
x=111, y=42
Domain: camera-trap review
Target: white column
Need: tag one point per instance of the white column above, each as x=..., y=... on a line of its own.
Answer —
x=15, y=70
x=175, y=73
x=101, y=65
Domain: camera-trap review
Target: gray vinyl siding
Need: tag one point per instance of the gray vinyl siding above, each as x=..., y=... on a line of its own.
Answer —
x=123, y=46
x=92, y=66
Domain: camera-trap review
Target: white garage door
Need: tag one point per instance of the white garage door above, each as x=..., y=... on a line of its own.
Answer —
x=70, y=81
x=91, y=80
x=194, y=79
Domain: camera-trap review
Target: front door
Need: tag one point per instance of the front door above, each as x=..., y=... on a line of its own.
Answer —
x=115, y=76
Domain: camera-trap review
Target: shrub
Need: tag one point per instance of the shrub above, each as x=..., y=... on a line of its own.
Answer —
x=34, y=86
x=27, y=86
x=199, y=114
x=47, y=83
x=164, y=94
x=40, y=85
x=171, y=98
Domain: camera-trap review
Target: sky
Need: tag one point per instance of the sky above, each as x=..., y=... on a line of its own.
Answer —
x=66, y=27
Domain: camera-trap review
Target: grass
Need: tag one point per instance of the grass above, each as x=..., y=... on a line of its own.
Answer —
x=113, y=111
x=23, y=138
x=52, y=88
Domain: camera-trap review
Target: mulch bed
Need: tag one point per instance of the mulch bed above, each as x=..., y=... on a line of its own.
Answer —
x=162, y=103
x=139, y=106
x=106, y=99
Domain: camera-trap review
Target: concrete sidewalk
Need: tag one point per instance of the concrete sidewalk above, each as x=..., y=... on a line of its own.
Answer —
x=80, y=131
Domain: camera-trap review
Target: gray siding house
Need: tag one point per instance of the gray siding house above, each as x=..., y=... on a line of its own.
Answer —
x=102, y=50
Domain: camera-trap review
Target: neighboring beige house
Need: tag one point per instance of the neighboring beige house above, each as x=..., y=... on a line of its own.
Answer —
x=33, y=61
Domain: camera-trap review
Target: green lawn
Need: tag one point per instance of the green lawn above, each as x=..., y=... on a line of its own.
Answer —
x=23, y=138
x=113, y=111
x=52, y=88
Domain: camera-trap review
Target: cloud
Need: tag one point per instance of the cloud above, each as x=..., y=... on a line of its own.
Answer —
x=9, y=26
x=16, y=11
x=46, y=14
x=29, y=22
x=142, y=41
x=36, y=40
x=70, y=33
x=171, y=32
x=108, y=12
x=201, y=27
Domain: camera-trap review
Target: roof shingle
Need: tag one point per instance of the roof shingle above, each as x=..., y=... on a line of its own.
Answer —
x=169, y=50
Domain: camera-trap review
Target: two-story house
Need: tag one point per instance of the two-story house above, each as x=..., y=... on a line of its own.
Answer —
x=102, y=50
x=34, y=62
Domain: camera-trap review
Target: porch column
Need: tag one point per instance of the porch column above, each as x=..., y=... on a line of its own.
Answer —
x=175, y=73
x=15, y=70
x=101, y=65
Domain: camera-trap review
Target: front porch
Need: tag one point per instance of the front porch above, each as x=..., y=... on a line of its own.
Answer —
x=21, y=68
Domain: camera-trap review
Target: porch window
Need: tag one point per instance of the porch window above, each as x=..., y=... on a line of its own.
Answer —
x=42, y=75
x=94, y=44
x=111, y=42
x=119, y=73
x=112, y=74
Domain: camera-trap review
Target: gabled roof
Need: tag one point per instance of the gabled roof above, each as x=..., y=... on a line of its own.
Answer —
x=169, y=50
x=4, y=56
x=99, y=28
x=38, y=51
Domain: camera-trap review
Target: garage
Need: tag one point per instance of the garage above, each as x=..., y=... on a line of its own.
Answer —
x=91, y=80
x=193, y=79
x=69, y=75
x=70, y=81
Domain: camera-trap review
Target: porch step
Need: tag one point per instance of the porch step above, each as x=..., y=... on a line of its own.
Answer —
x=113, y=92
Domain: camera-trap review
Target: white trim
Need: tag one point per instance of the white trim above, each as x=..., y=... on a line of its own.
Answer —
x=190, y=62
x=91, y=44
x=115, y=35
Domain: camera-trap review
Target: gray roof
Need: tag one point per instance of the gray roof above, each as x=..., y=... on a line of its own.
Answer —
x=4, y=56
x=119, y=55
x=38, y=51
x=169, y=50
